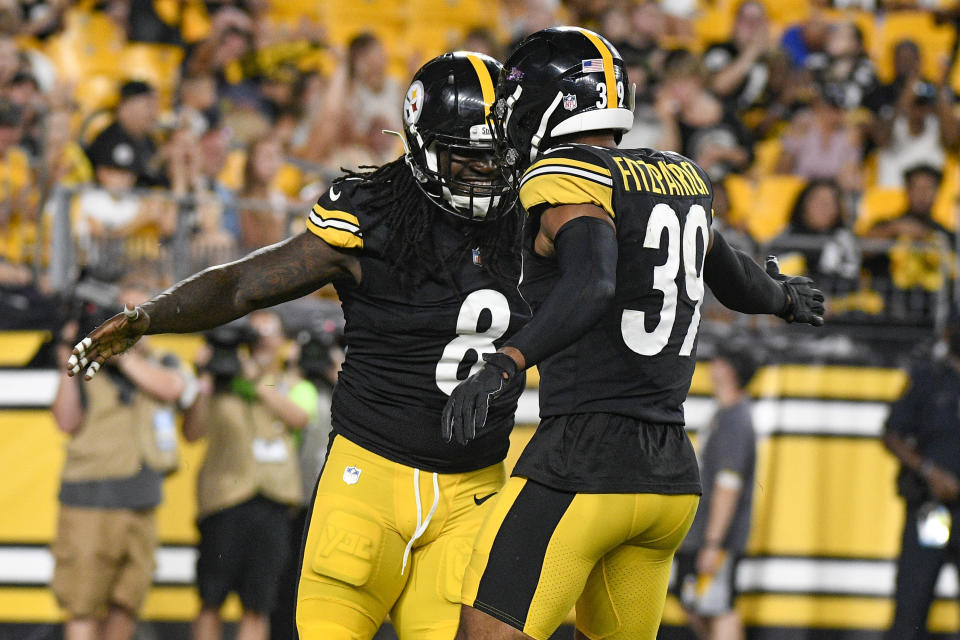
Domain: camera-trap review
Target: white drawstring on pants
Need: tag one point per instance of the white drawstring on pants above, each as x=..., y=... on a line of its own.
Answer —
x=421, y=527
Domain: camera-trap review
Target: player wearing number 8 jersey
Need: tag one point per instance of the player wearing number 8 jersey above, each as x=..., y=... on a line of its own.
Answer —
x=424, y=256
x=617, y=247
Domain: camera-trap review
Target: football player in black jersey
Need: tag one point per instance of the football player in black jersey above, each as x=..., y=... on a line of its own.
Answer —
x=617, y=247
x=424, y=255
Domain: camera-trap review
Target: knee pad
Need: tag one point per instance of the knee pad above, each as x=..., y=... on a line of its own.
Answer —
x=348, y=547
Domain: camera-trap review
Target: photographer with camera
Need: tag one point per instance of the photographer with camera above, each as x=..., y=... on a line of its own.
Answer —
x=318, y=364
x=250, y=477
x=122, y=442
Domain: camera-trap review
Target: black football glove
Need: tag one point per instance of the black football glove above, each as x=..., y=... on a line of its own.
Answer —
x=466, y=410
x=804, y=301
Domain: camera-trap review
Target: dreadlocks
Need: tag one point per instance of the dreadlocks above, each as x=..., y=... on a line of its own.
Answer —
x=409, y=218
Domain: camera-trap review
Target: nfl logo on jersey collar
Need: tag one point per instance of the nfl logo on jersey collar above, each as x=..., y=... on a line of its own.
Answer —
x=477, y=260
x=351, y=475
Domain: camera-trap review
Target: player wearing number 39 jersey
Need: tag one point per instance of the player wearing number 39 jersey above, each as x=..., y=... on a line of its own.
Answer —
x=424, y=256
x=617, y=248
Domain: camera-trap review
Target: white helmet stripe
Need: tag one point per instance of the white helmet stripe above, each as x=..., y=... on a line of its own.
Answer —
x=538, y=136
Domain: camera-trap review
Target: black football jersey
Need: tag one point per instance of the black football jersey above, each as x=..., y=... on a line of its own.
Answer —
x=407, y=348
x=639, y=358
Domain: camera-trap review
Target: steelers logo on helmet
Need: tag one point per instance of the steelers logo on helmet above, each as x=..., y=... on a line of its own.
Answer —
x=413, y=103
x=562, y=81
x=449, y=142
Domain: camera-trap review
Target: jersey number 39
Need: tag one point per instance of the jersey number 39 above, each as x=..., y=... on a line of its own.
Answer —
x=632, y=325
x=471, y=340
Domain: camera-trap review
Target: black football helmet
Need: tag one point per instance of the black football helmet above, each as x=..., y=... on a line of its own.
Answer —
x=559, y=81
x=445, y=113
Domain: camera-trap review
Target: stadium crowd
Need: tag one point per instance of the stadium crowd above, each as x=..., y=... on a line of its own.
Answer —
x=178, y=134
x=150, y=138
x=185, y=133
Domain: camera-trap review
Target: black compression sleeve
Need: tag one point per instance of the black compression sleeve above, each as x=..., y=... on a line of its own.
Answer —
x=587, y=256
x=739, y=283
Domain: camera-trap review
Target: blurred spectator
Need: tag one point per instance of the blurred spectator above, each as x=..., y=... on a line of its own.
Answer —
x=321, y=356
x=130, y=135
x=372, y=93
x=821, y=143
x=221, y=53
x=198, y=100
x=10, y=58
x=324, y=116
x=24, y=91
x=708, y=558
x=483, y=40
x=738, y=68
x=788, y=91
x=647, y=130
x=122, y=440
x=906, y=69
x=214, y=145
x=916, y=223
x=919, y=130
x=64, y=160
x=845, y=64
x=917, y=260
x=263, y=220
x=923, y=432
x=819, y=235
x=42, y=18
x=524, y=18
x=112, y=210
x=249, y=478
x=15, y=177
x=802, y=40
x=696, y=123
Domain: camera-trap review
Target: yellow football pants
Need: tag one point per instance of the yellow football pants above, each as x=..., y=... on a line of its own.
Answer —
x=387, y=538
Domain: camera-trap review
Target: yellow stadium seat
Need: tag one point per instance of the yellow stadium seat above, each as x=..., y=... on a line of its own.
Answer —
x=344, y=20
x=773, y=201
x=785, y=14
x=740, y=193
x=935, y=41
x=158, y=64
x=712, y=25
x=96, y=92
x=879, y=204
x=465, y=13
x=90, y=44
x=766, y=155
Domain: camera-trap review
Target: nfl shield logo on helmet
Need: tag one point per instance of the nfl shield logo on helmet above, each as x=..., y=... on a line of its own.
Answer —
x=351, y=475
x=570, y=102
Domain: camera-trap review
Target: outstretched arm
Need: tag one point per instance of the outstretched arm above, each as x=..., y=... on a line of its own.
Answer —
x=274, y=274
x=740, y=284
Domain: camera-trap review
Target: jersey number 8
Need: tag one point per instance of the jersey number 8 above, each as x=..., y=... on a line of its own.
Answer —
x=632, y=326
x=471, y=340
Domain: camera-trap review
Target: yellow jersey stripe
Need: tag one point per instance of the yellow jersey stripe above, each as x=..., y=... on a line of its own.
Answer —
x=336, y=237
x=559, y=189
x=589, y=166
x=486, y=82
x=607, y=58
x=336, y=214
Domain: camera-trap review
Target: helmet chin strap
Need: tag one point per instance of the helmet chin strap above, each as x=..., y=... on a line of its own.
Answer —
x=407, y=156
